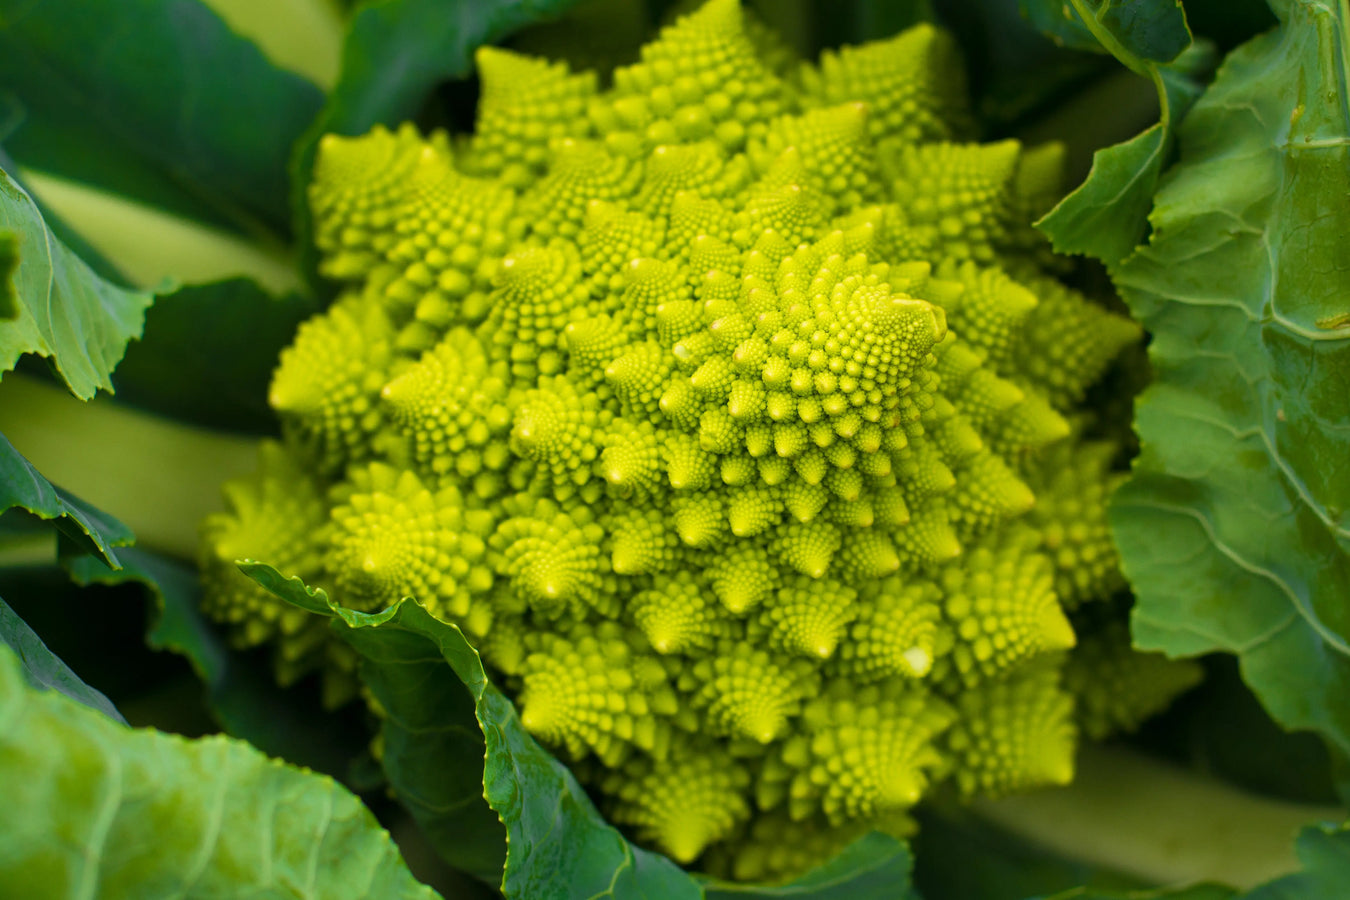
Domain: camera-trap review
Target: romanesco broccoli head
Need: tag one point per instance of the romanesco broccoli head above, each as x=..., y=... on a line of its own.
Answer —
x=714, y=407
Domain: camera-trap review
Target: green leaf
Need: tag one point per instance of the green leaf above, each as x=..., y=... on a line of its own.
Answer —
x=162, y=477
x=65, y=311
x=1324, y=851
x=1142, y=30
x=93, y=808
x=1155, y=31
x=558, y=846
x=241, y=695
x=303, y=36
x=44, y=669
x=208, y=353
x=874, y=867
x=9, y=265
x=1221, y=728
x=1233, y=527
x=394, y=53
x=67, y=235
x=1229, y=22
x=1057, y=20
x=22, y=486
x=1107, y=216
x=157, y=100
x=154, y=249
x=397, y=50
x=432, y=748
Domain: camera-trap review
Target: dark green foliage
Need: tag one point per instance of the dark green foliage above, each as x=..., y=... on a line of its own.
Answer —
x=208, y=353
x=129, y=96
x=22, y=486
x=44, y=669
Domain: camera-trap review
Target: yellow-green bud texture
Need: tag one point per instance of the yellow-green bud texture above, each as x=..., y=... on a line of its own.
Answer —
x=714, y=407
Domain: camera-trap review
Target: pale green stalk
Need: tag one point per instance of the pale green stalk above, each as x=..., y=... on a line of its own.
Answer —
x=158, y=476
x=37, y=548
x=1143, y=817
x=152, y=247
x=304, y=36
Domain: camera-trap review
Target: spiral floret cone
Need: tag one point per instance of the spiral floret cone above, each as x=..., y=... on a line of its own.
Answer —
x=682, y=804
x=1013, y=734
x=275, y=514
x=1073, y=480
x=327, y=383
x=361, y=183
x=699, y=402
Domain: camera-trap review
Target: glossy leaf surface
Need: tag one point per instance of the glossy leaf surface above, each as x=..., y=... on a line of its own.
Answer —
x=1235, y=527
x=208, y=354
x=1106, y=216
x=94, y=808
x=157, y=100
x=65, y=311
x=241, y=693
x=44, y=669
x=22, y=486
x=557, y=845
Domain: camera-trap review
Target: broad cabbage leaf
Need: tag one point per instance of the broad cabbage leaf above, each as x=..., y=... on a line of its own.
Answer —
x=93, y=808
x=1235, y=526
x=62, y=308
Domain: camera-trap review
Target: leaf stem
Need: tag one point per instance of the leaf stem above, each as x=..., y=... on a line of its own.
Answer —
x=1146, y=818
x=159, y=477
x=152, y=247
x=1108, y=40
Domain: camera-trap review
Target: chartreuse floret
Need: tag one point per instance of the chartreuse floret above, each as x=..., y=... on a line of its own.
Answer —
x=774, y=843
x=390, y=535
x=1012, y=734
x=913, y=85
x=895, y=632
x=279, y=513
x=694, y=797
x=859, y=754
x=526, y=104
x=727, y=410
x=1001, y=608
x=589, y=690
x=1073, y=480
x=327, y=386
x=365, y=183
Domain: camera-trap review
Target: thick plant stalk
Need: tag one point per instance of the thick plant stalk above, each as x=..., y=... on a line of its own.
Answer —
x=1146, y=818
x=152, y=247
x=304, y=36
x=159, y=477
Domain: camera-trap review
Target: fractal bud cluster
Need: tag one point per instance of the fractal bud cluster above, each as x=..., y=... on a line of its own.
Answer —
x=730, y=411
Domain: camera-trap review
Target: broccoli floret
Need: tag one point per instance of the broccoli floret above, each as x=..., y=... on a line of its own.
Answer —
x=714, y=407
